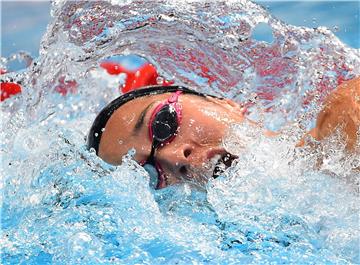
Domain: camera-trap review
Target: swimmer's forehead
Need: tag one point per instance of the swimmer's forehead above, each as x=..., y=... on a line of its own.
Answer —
x=145, y=99
x=160, y=97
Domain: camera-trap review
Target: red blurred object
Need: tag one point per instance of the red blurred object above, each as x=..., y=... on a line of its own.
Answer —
x=146, y=75
x=65, y=87
x=8, y=89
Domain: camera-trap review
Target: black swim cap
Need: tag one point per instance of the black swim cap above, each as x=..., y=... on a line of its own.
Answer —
x=94, y=136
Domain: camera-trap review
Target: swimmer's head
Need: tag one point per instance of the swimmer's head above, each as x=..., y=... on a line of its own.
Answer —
x=177, y=132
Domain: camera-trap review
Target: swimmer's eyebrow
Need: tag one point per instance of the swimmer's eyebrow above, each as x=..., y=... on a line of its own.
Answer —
x=140, y=121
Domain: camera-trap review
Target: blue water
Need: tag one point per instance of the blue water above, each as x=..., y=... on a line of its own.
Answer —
x=63, y=205
x=342, y=17
x=24, y=23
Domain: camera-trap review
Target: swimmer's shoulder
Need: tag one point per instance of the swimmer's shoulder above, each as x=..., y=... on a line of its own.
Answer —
x=341, y=109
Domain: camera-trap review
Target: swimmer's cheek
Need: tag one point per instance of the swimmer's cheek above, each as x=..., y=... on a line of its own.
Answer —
x=109, y=154
x=109, y=158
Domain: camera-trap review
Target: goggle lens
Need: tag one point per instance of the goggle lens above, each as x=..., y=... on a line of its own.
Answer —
x=165, y=124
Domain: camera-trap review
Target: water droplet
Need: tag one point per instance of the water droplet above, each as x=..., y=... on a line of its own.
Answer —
x=34, y=199
x=159, y=80
x=132, y=152
x=74, y=32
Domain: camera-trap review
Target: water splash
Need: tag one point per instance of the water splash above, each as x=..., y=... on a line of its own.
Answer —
x=62, y=204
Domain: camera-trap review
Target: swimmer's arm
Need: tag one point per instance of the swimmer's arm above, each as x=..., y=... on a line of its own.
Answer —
x=341, y=108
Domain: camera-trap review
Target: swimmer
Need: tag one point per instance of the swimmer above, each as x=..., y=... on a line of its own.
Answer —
x=177, y=132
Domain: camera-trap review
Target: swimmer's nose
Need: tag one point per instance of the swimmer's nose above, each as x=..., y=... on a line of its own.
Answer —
x=179, y=159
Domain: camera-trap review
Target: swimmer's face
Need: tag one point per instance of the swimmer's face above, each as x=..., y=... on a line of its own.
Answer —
x=192, y=154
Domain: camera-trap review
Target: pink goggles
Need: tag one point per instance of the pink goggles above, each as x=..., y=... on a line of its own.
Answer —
x=163, y=126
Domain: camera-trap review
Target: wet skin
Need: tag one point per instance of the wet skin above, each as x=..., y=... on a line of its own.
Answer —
x=204, y=123
x=341, y=108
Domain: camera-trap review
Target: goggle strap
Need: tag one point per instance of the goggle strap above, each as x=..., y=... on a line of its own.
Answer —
x=174, y=97
x=151, y=159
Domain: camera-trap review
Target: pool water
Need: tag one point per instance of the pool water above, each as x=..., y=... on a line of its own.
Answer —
x=63, y=205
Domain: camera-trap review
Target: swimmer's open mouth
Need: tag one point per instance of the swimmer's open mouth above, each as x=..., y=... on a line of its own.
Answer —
x=219, y=163
x=222, y=164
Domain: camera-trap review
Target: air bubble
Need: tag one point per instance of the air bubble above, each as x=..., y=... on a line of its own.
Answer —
x=92, y=150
